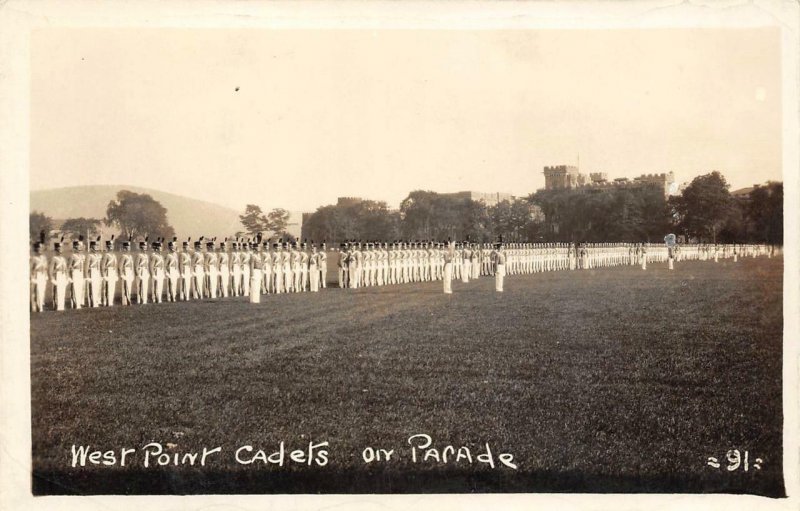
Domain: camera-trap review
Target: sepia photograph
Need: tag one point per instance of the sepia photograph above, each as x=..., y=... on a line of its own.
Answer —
x=398, y=260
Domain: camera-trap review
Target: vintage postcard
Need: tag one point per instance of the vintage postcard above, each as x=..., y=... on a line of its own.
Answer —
x=446, y=255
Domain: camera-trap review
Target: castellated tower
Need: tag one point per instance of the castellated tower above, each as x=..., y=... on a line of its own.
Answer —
x=562, y=176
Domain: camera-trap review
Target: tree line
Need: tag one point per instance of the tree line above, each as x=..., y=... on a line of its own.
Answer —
x=704, y=211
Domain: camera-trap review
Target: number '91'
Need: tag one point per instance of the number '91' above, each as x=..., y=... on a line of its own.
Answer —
x=736, y=460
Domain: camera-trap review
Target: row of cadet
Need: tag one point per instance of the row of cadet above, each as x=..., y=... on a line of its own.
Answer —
x=245, y=268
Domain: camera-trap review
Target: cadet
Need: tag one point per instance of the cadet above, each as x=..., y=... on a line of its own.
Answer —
x=447, y=279
x=58, y=276
x=211, y=269
x=108, y=267
x=342, y=264
x=126, y=270
x=236, y=269
x=244, y=261
x=313, y=268
x=277, y=268
x=323, y=265
x=185, y=263
x=500, y=267
x=171, y=264
x=304, y=259
x=76, y=275
x=224, y=264
x=254, y=273
x=157, y=272
x=142, y=273
x=198, y=270
x=293, y=283
x=286, y=264
x=94, y=276
x=266, y=281
x=39, y=271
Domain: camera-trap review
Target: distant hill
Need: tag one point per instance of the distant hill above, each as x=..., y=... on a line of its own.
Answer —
x=189, y=217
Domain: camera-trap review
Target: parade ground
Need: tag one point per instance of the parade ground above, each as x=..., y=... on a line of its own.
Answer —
x=607, y=380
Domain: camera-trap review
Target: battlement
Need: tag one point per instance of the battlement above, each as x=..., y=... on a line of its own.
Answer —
x=560, y=177
x=560, y=169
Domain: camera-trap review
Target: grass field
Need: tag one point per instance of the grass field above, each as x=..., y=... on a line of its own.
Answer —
x=610, y=380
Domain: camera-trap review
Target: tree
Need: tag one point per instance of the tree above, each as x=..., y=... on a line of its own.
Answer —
x=38, y=222
x=136, y=214
x=75, y=227
x=277, y=221
x=764, y=213
x=704, y=207
x=254, y=220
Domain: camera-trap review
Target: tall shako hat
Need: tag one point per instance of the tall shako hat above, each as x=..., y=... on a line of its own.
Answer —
x=110, y=243
x=78, y=243
x=186, y=243
x=223, y=243
x=143, y=244
x=171, y=243
x=93, y=243
x=499, y=242
x=40, y=242
x=199, y=243
x=127, y=243
x=210, y=243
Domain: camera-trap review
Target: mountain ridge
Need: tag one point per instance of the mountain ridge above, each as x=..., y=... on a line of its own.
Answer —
x=188, y=216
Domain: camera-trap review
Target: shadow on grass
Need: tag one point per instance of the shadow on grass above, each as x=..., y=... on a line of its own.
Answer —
x=154, y=482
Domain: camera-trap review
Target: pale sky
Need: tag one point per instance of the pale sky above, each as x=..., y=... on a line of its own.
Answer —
x=375, y=114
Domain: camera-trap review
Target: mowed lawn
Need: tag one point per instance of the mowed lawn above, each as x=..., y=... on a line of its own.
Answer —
x=608, y=380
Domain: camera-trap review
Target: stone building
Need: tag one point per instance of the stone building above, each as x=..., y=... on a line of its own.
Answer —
x=568, y=177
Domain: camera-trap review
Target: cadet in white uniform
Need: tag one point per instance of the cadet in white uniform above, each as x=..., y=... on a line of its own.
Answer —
x=127, y=272
x=185, y=264
x=110, y=273
x=198, y=270
x=171, y=265
x=500, y=267
x=58, y=277
x=211, y=269
x=277, y=268
x=157, y=272
x=77, y=280
x=94, y=274
x=313, y=268
x=224, y=263
x=244, y=261
x=142, y=273
x=323, y=265
x=236, y=269
x=254, y=273
x=449, y=256
x=38, y=276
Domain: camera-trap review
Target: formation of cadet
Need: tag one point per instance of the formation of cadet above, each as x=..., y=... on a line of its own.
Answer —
x=209, y=269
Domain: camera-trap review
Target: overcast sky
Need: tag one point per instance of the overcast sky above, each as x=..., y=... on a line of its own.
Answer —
x=376, y=114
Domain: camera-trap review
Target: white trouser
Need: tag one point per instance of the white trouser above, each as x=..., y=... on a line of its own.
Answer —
x=127, y=287
x=111, y=285
x=77, y=287
x=314, y=278
x=59, y=290
x=95, y=287
x=38, y=283
x=448, y=277
x=498, y=277
x=254, y=285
